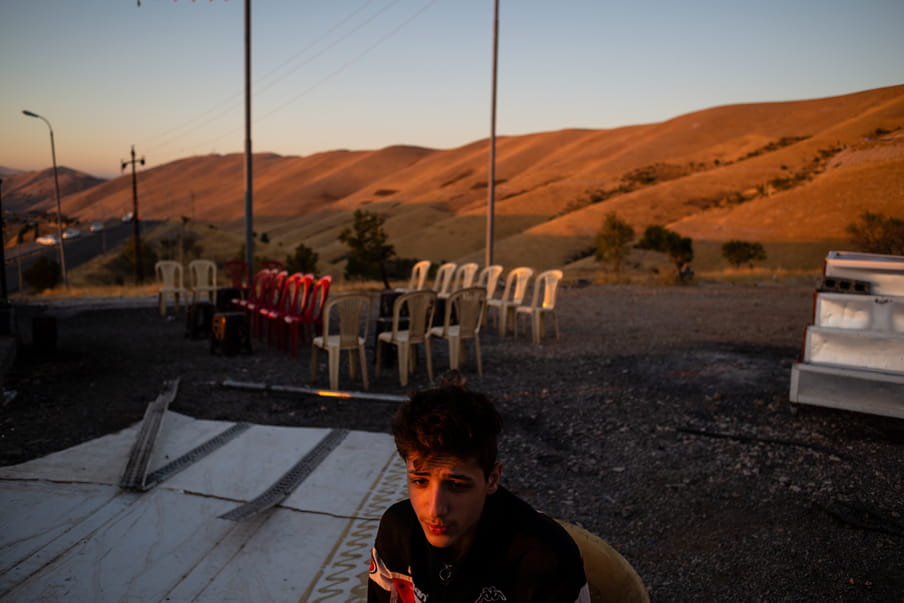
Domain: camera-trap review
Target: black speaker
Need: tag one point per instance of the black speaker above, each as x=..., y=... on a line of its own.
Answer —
x=230, y=334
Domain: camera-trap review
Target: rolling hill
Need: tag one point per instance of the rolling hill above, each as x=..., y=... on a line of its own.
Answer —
x=783, y=172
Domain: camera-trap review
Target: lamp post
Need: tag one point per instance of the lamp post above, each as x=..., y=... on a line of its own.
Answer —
x=56, y=186
x=491, y=189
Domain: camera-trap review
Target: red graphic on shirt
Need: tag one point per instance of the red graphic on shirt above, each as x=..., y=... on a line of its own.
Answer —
x=405, y=590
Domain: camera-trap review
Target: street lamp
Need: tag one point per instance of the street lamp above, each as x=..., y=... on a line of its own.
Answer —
x=56, y=186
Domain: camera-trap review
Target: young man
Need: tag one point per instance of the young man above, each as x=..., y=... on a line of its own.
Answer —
x=461, y=536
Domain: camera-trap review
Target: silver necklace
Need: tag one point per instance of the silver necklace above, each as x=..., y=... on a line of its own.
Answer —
x=445, y=574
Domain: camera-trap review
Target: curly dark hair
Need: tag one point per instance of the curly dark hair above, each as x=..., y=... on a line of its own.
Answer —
x=449, y=420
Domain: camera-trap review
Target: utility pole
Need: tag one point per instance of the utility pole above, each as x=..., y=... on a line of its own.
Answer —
x=136, y=228
x=249, y=188
x=491, y=189
x=3, y=292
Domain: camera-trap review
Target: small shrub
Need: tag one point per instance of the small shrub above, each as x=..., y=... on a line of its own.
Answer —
x=125, y=262
x=679, y=249
x=304, y=260
x=743, y=252
x=43, y=274
x=368, y=250
x=613, y=240
x=875, y=233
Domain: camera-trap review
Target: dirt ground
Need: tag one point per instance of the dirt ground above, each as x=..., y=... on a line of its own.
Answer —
x=659, y=420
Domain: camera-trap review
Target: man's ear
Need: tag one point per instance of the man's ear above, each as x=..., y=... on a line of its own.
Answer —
x=493, y=478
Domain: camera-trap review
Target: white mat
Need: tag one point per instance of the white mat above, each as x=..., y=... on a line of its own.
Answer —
x=68, y=533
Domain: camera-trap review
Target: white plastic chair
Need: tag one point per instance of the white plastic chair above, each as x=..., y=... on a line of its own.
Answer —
x=353, y=311
x=512, y=296
x=442, y=285
x=489, y=279
x=202, y=278
x=418, y=276
x=540, y=307
x=169, y=279
x=462, y=279
x=468, y=305
x=420, y=305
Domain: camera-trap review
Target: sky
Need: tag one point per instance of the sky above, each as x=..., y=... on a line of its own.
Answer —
x=168, y=76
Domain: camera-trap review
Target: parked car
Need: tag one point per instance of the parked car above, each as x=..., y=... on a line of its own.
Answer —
x=48, y=239
x=96, y=227
x=128, y=217
x=71, y=233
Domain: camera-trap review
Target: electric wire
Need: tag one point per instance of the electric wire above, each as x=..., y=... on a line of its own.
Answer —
x=234, y=101
x=324, y=79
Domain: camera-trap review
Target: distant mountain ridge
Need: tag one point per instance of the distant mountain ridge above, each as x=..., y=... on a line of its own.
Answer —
x=784, y=171
x=34, y=191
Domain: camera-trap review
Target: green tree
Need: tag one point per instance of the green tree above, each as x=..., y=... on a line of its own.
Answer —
x=370, y=252
x=679, y=249
x=875, y=233
x=43, y=274
x=613, y=240
x=738, y=253
x=304, y=260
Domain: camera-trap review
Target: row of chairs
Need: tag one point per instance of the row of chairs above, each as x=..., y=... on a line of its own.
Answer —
x=202, y=276
x=463, y=315
x=465, y=310
x=170, y=281
x=451, y=277
x=510, y=306
x=282, y=308
x=236, y=272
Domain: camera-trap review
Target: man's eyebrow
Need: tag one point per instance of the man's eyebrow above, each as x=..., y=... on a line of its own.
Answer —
x=460, y=477
x=455, y=476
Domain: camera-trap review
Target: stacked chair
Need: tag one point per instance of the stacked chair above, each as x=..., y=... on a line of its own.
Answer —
x=271, y=315
x=283, y=308
x=236, y=272
x=270, y=299
x=259, y=288
x=309, y=318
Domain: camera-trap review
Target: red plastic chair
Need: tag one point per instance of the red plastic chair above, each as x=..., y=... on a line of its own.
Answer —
x=271, y=315
x=237, y=272
x=259, y=296
x=270, y=301
x=273, y=265
x=255, y=293
x=301, y=297
x=311, y=317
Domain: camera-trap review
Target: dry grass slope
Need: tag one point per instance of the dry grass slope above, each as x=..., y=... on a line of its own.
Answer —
x=781, y=173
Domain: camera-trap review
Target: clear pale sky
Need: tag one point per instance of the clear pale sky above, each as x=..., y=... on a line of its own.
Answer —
x=168, y=76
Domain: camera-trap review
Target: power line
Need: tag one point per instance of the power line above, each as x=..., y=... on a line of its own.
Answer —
x=234, y=101
x=329, y=76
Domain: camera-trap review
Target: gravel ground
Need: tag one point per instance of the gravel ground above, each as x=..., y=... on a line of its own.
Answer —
x=660, y=421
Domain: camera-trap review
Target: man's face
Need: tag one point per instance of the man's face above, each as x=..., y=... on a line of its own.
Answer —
x=448, y=495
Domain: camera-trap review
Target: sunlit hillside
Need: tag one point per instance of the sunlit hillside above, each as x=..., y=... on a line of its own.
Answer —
x=779, y=173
